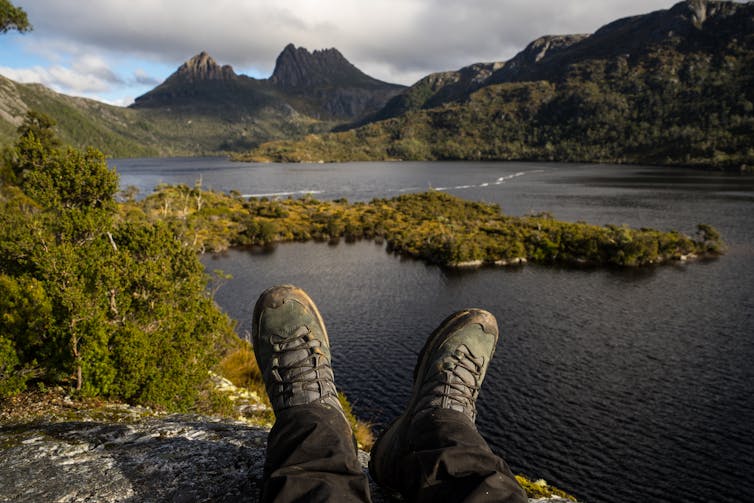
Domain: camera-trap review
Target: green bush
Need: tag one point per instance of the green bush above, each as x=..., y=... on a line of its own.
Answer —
x=108, y=306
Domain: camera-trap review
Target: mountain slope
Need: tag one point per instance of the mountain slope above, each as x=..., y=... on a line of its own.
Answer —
x=127, y=132
x=555, y=57
x=81, y=122
x=434, y=90
x=693, y=26
x=669, y=87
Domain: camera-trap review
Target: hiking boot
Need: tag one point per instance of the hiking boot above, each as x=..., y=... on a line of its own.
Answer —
x=292, y=350
x=448, y=375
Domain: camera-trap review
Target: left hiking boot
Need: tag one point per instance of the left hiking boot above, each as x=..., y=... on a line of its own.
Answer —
x=292, y=350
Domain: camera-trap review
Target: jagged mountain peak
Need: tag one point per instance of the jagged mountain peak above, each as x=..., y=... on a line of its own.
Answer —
x=331, y=53
x=296, y=67
x=196, y=83
x=204, y=67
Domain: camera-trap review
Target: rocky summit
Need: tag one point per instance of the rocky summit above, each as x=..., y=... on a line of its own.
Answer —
x=200, y=84
x=204, y=67
x=325, y=85
x=299, y=68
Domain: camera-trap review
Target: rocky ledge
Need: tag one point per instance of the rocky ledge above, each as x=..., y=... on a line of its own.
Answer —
x=136, y=457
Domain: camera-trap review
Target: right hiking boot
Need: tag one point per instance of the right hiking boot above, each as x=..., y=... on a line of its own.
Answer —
x=292, y=350
x=448, y=375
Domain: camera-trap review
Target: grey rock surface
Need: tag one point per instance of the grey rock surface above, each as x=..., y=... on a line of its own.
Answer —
x=175, y=458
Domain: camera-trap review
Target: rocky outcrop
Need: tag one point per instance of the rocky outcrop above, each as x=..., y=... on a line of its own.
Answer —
x=525, y=61
x=299, y=68
x=204, y=67
x=176, y=458
x=327, y=86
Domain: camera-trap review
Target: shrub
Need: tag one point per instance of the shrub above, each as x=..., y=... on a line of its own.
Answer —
x=111, y=307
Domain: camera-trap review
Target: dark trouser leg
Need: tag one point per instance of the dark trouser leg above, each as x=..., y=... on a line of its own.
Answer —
x=311, y=456
x=449, y=461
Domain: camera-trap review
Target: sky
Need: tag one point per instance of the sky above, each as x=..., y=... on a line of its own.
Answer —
x=116, y=50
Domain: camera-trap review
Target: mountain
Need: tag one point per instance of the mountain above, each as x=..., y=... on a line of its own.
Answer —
x=205, y=108
x=672, y=87
x=324, y=84
x=554, y=57
x=201, y=85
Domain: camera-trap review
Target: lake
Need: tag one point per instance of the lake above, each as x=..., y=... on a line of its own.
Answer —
x=618, y=386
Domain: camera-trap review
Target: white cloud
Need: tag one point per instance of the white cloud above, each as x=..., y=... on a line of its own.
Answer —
x=393, y=40
x=404, y=37
x=64, y=79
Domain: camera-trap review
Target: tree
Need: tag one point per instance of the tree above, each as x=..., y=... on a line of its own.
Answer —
x=36, y=141
x=40, y=125
x=12, y=18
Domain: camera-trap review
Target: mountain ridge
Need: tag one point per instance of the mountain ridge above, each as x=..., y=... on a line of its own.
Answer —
x=671, y=87
x=322, y=84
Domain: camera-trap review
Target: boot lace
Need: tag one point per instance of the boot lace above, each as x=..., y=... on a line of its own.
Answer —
x=459, y=381
x=300, y=368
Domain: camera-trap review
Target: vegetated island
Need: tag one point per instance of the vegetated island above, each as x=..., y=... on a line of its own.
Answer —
x=432, y=226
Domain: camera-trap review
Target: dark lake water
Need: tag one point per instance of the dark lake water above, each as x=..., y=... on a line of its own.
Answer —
x=619, y=386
